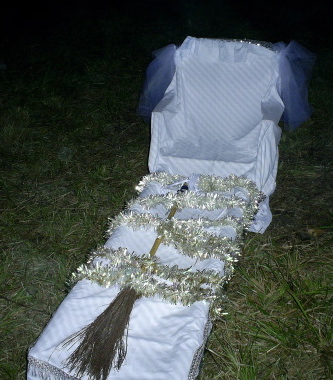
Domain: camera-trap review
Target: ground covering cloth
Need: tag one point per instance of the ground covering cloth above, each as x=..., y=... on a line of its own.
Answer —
x=214, y=124
x=169, y=325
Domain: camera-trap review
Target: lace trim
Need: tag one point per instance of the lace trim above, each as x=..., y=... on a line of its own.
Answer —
x=197, y=358
x=46, y=371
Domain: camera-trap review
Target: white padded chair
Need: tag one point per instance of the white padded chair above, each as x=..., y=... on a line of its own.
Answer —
x=219, y=114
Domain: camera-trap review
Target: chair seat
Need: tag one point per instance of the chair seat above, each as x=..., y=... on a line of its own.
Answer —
x=211, y=151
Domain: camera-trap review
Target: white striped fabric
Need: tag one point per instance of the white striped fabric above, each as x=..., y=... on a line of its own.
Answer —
x=218, y=117
x=219, y=114
x=162, y=338
x=212, y=120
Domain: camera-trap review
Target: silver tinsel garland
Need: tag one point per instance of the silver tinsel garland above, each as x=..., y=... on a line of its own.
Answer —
x=204, y=201
x=192, y=240
x=146, y=221
x=149, y=278
x=162, y=178
x=204, y=183
x=191, y=237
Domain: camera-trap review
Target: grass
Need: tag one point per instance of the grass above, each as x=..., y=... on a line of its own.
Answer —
x=280, y=315
x=72, y=149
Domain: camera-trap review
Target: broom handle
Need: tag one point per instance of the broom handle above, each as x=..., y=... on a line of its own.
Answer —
x=159, y=239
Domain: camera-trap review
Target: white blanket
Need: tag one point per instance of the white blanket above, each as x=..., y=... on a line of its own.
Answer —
x=165, y=339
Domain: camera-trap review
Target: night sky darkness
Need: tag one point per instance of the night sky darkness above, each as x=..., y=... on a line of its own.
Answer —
x=276, y=20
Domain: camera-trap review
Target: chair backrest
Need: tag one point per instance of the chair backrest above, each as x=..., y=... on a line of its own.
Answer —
x=220, y=112
x=225, y=88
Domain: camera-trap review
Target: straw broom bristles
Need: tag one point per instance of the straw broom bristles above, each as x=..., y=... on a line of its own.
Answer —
x=103, y=343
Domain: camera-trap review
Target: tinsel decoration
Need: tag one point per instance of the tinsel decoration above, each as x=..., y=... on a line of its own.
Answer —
x=150, y=278
x=103, y=343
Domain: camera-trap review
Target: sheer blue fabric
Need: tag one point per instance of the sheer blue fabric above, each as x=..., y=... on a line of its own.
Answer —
x=158, y=77
x=295, y=66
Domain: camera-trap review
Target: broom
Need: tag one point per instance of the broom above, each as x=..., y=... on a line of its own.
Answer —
x=103, y=343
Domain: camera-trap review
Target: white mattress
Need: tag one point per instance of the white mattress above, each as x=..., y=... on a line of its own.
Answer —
x=165, y=339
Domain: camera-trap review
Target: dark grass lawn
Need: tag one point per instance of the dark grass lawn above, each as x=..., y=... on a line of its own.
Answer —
x=72, y=149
